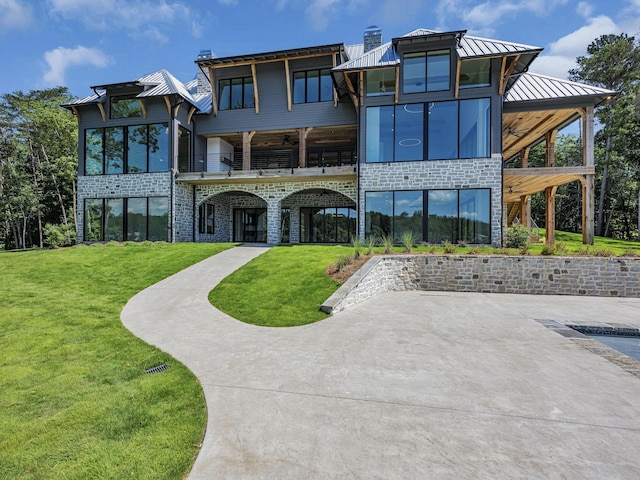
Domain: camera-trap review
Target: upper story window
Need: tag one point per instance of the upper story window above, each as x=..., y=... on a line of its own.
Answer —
x=381, y=81
x=426, y=71
x=475, y=73
x=312, y=86
x=125, y=107
x=132, y=149
x=236, y=93
x=429, y=131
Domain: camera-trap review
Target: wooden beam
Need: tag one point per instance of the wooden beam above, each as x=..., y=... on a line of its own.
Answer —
x=457, y=87
x=192, y=110
x=361, y=87
x=270, y=60
x=587, y=136
x=102, y=112
x=588, y=210
x=335, y=92
x=352, y=91
x=246, y=149
x=524, y=157
x=506, y=73
x=76, y=112
x=550, y=151
x=287, y=74
x=397, y=94
x=550, y=217
x=168, y=104
x=302, y=146
x=143, y=109
x=256, y=98
x=214, y=95
x=525, y=211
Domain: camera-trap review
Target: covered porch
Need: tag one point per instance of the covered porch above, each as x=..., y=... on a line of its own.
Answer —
x=535, y=110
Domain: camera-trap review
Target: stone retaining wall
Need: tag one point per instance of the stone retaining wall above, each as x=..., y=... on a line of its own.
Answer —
x=594, y=276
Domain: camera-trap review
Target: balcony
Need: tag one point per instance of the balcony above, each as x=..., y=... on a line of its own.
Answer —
x=270, y=165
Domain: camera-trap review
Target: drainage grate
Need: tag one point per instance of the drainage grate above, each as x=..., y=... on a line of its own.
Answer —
x=158, y=369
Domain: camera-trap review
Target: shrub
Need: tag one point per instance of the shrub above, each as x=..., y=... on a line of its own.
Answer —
x=56, y=236
x=517, y=236
x=474, y=251
x=370, y=243
x=343, y=262
x=387, y=243
x=548, y=249
x=630, y=252
x=449, y=247
x=356, y=243
x=407, y=239
x=603, y=252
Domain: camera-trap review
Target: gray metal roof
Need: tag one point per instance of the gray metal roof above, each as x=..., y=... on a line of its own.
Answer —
x=155, y=84
x=535, y=87
x=469, y=47
x=354, y=51
x=271, y=56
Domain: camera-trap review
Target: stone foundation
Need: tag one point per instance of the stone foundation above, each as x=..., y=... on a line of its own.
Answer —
x=593, y=276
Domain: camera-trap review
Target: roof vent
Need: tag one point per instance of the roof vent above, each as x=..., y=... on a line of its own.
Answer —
x=372, y=38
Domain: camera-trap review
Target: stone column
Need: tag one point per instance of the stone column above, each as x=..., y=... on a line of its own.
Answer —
x=294, y=225
x=274, y=214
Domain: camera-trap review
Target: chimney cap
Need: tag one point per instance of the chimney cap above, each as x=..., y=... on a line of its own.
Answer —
x=372, y=29
x=204, y=54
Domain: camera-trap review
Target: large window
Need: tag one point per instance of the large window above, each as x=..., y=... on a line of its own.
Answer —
x=426, y=71
x=206, y=216
x=432, y=131
x=327, y=225
x=452, y=215
x=132, y=149
x=119, y=219
x=236, y=93
x=475, y=73
x=125, y=107
x=312, y=86
x=381, y=81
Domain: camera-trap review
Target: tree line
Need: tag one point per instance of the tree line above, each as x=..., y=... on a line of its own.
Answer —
x=39, y=156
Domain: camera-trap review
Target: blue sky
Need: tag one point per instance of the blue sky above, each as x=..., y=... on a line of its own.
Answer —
x=79, y=43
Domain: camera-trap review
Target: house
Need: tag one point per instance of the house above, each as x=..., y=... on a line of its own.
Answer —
x=320, y=144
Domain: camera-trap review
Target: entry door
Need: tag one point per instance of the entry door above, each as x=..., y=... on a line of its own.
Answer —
x=250, y=225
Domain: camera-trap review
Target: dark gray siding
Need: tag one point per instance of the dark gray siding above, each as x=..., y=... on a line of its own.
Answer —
x=272, y=92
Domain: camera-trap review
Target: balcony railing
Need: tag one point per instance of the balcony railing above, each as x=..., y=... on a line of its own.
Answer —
x=276, y=159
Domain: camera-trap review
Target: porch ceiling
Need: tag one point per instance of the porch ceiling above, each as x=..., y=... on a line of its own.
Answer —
x=524, y=129
x=527, y=181
x=341, y=135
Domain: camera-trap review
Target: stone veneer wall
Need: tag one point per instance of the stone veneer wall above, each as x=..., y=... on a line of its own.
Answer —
x=594, y=276
x=120, y=186
x=437, y=174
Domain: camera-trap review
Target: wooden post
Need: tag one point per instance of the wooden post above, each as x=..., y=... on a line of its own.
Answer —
x=302, y=146
x=287, y=75
x=256, y=97
x=525, y=210
x=588, y=187
x=246, y=149
x=550, y=217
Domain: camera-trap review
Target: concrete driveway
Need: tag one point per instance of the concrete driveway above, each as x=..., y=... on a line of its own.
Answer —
x=407, y=385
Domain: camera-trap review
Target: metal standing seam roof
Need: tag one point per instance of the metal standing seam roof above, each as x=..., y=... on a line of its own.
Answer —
x=534, y=87
x=469, y=47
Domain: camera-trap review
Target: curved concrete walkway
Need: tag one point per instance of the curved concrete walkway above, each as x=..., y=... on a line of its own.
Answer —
x=405, y=385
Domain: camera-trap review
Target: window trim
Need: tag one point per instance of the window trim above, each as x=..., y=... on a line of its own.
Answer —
x=306, y=85
x=245, y=80
x=125, y=149
x=203, y=218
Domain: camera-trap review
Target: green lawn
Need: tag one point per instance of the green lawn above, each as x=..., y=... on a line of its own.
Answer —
x=75, y=402
x=283, y=287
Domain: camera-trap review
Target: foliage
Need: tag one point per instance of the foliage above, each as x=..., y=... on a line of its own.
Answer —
x=516, y=236
x=407, y=239
x=344, y=261
x=38, y=165
x=356, y=243
x=387, y=243
x=448, y=247
x=370, y=243
x=75, y=402
x=56, y=236
x=613, y=62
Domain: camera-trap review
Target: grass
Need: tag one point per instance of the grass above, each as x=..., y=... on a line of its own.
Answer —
x=283, y=287
x=75, y=402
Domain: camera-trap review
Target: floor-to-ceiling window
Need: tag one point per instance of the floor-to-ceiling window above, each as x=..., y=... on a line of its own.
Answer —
x=327, y=224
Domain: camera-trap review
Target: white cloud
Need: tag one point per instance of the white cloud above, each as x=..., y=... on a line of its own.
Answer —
x=584, y=9
x=563, y=52
x=133, y=15
x=61, y=58
x=14, y=15
x=229, y=3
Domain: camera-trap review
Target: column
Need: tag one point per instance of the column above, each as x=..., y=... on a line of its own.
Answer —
x=274, y=214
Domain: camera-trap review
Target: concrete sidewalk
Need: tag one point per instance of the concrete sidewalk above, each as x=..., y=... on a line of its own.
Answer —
x=406, y=385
